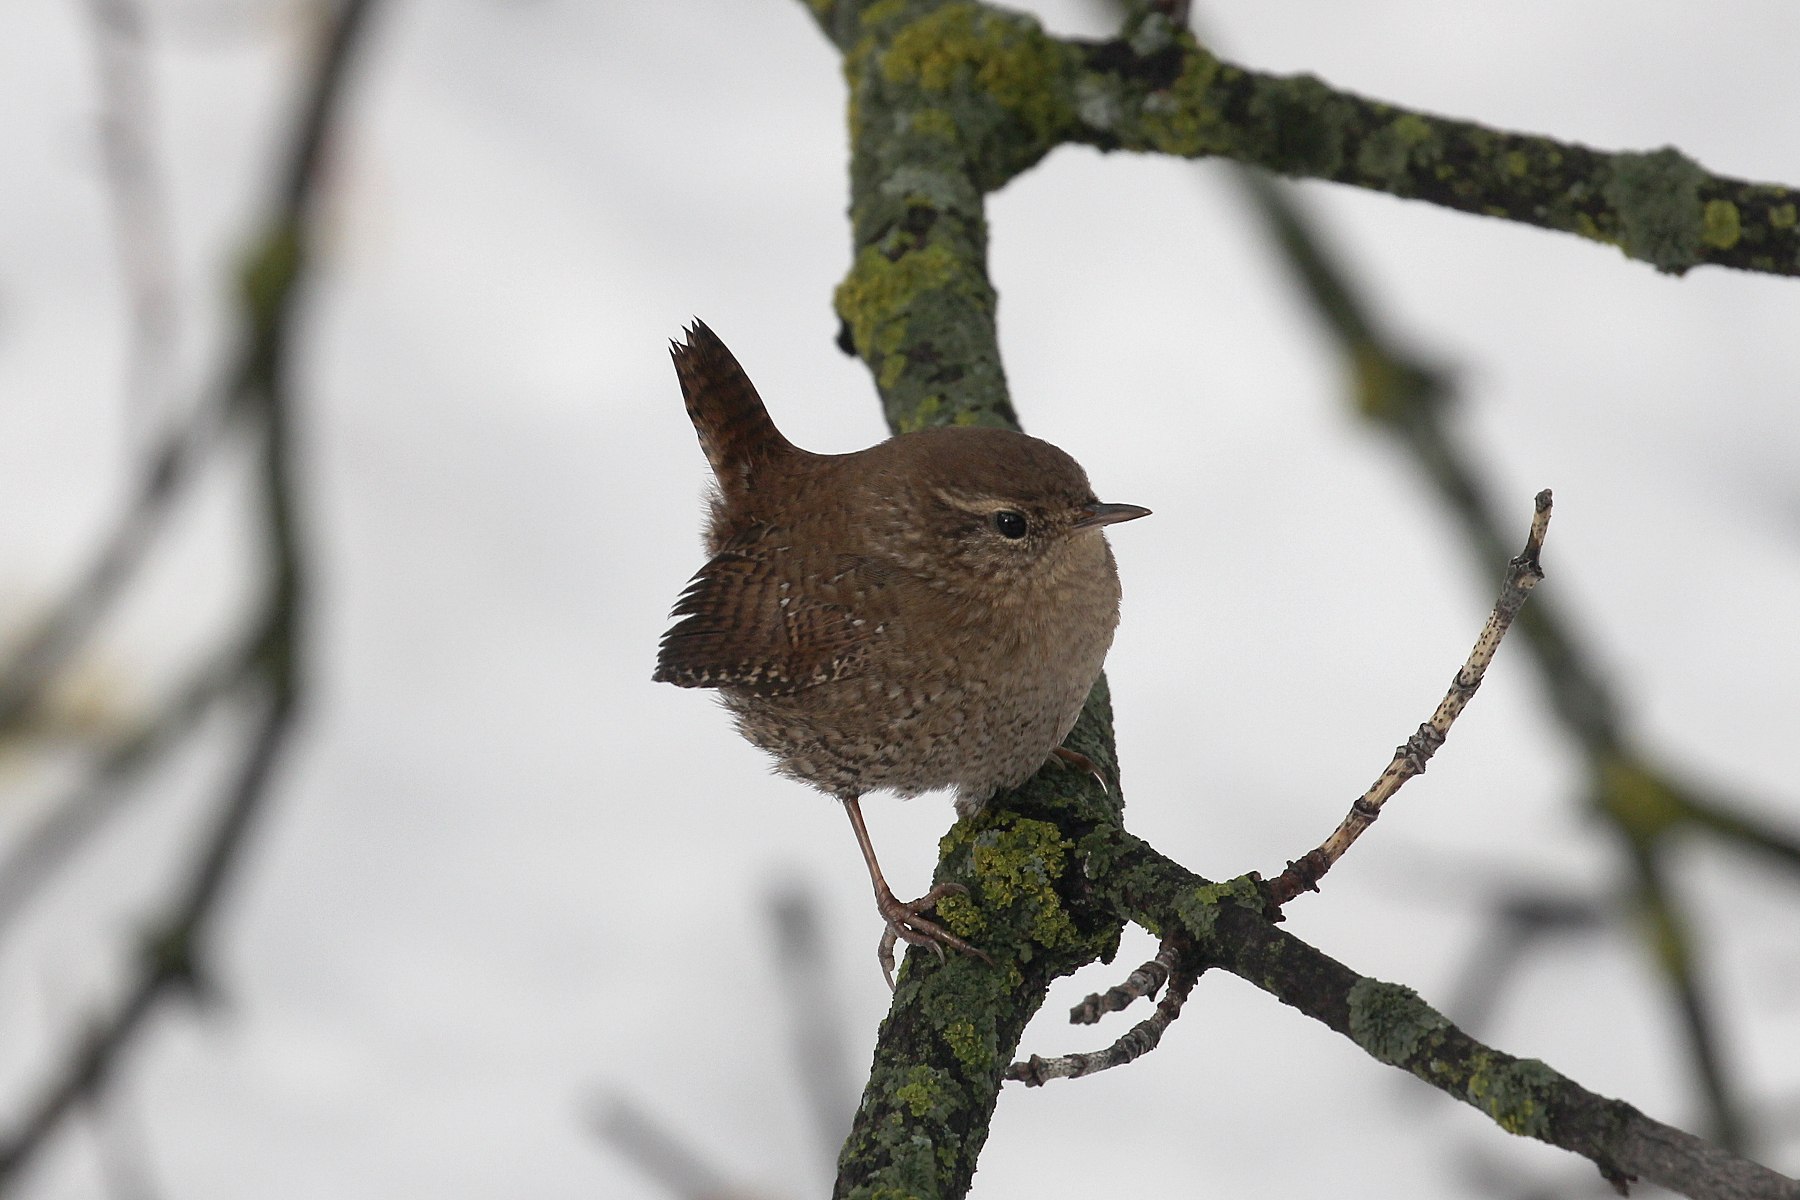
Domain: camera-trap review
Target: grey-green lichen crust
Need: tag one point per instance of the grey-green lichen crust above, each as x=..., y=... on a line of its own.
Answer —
x=998, y=92
x=1391, y=1022
x=1394, y=1025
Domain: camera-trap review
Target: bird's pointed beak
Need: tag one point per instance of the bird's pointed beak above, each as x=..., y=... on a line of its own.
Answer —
x=1110, y=514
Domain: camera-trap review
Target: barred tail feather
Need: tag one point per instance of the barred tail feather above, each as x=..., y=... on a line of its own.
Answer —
x=734, y=427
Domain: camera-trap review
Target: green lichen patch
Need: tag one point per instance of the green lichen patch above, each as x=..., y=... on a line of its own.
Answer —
x=1391, y=1022
x=1720, y=226
x=1783, y=216
x=975, y=51
x=1184, y=118
x=883, y=11
x=1198, y=909
x=1640, y=801
x=974, y=1051
x=881, y=291
x=1657, y=199
x=1515, y=1092
x=1391, y=151
x=929, y=1094
x=1016, y=863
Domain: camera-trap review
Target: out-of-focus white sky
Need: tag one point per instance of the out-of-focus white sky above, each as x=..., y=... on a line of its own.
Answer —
x=505, y=872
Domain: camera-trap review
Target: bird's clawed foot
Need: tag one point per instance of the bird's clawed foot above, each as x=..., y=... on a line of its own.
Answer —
x=904, y=923
x=1075, y=760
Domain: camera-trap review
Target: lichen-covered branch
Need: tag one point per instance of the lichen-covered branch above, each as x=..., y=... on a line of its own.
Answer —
x=954, y=1026
x=991, y=88
x=1413, y=400
x=949, y=99
x=1230, y=930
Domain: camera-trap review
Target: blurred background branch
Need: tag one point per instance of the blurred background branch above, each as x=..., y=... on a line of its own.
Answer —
x=268, y=681
x=1412, y=398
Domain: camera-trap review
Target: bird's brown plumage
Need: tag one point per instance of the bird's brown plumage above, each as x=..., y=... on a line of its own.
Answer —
x=863, y=617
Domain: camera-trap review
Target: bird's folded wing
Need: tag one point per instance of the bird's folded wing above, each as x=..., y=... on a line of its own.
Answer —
x=742, y=626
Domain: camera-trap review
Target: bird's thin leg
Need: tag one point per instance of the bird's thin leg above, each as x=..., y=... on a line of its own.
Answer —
x=1075, y=760
x=903, y=918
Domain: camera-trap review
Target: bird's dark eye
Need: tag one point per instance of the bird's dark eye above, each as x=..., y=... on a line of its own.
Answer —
x=1010, y=524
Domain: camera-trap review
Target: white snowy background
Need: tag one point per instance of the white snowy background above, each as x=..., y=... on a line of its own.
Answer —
x=505, y=875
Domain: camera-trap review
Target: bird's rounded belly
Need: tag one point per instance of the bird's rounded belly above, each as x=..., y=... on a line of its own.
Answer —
x=988, y=726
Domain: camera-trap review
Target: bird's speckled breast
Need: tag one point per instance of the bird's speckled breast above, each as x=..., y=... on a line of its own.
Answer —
x=976, y=703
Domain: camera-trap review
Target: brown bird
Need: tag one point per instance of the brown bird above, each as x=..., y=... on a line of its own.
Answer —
x=928, y=613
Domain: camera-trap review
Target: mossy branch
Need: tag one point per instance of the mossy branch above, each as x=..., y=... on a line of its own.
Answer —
x=1229, y=929
x=948, y=101
x=994, y=89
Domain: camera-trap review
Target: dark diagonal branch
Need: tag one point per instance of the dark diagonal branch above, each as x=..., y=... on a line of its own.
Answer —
x=1413, y=400
x=1229, y=928
x=675, y=1167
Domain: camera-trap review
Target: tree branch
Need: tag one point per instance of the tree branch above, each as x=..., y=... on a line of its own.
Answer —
x=1012, y=93
x=1230, y=929
x=948, y=101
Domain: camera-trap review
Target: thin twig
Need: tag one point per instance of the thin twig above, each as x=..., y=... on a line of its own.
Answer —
x=1411, y=399
x=1394, y=1026
x=1142, y=1038
x=170, y=964
x=1411, y=757
x=1147, y=980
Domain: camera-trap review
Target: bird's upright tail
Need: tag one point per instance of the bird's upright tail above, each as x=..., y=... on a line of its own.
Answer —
x=734, y=427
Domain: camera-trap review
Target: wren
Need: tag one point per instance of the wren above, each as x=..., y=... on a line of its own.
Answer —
x=930, y=612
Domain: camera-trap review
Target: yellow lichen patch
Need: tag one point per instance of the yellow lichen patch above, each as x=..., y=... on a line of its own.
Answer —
x=1587, y=227
x=925, y=1094
x=1719, y=224
x=882, y=11
x=1181, y=120
x=1376, y=381
x=879, y=292
x=1016, y=863
x=1005, y=55
x=971, y=1049
x=1641, y=802
x=1514, y=1093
